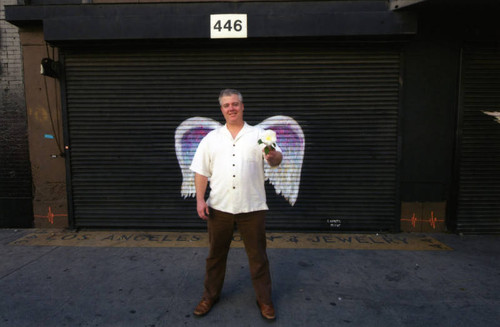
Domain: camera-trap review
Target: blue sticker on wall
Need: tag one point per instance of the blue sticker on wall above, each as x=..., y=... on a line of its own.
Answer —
x=49, y=136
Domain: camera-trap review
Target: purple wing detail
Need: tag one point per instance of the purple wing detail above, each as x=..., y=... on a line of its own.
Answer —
x=190, y=140
x=187, y=137
x=290, y=138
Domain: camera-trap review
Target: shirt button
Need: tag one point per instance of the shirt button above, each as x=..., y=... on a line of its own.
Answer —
x=233, y=154
x=234, y=165
x=234, y=187
x=234, y=175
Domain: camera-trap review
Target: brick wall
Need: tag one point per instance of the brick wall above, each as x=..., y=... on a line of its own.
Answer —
x=15, y=171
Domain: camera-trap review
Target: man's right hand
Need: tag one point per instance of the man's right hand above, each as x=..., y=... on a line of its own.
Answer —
x=202, y=208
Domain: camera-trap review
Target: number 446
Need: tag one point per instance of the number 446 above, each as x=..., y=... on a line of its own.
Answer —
x=229, y=25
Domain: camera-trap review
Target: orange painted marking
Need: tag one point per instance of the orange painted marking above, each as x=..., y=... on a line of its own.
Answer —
x=432, y=220
x=50, y=216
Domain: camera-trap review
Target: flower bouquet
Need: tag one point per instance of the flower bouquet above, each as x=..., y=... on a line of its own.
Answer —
x=268, y=141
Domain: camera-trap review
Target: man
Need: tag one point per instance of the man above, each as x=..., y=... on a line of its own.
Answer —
x=232, y=159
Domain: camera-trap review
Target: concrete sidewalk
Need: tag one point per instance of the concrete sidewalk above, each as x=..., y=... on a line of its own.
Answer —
x=160, y=286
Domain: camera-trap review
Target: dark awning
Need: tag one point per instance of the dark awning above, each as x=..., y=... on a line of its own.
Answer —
x=192, y=20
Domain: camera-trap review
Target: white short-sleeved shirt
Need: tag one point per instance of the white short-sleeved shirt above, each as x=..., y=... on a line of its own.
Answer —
x=235, y=168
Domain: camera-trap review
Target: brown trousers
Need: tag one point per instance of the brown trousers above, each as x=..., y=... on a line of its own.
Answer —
x=220, y=234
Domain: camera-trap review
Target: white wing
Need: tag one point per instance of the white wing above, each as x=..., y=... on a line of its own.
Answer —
x=290, y=138
x=187, y=137
x=495, y=114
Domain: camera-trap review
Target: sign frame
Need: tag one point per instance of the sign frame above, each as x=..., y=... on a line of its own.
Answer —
x=228, y=26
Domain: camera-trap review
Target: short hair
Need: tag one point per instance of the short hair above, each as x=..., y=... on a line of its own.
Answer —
x=229, y=92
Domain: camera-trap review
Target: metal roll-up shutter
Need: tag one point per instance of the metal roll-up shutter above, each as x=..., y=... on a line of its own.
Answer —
x=124, y=106
x=478, y=209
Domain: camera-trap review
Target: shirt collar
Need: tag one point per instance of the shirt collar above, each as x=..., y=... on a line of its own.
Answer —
x=243, y=131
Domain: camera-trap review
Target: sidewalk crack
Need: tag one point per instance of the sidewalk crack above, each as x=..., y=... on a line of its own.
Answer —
x=28, y=263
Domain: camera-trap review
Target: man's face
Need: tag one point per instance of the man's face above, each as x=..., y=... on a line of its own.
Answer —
x=232, y=109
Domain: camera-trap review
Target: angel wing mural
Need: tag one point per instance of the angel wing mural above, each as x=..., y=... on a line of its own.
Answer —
x=187, y=137
x=290, y=138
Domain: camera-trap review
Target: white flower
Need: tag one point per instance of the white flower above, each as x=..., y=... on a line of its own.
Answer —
x=268, y=141
x=269, y=137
